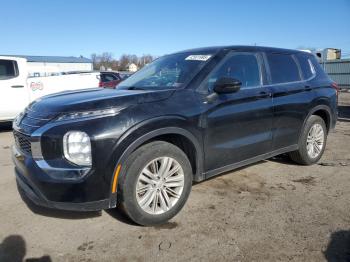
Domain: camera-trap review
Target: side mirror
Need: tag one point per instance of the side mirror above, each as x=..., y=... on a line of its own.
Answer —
x=225, y=85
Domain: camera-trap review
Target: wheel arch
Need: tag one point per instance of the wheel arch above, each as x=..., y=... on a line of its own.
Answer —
x=322, y=111
x=166, y=133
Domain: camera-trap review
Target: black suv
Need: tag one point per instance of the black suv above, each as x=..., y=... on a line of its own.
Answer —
x=185, y=117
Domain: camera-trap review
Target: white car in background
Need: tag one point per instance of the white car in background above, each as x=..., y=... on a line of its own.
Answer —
x=18, y=90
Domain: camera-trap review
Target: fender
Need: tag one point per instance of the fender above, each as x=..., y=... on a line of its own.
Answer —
x=198, y=176
x=320, y=107
x=312, y=111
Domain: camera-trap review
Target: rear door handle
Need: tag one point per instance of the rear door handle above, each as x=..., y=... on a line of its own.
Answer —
x=264, y=94
x=17, y=86
x=308, y=88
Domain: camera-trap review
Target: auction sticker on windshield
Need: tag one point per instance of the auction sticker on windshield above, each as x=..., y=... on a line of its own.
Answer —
x=198, y=57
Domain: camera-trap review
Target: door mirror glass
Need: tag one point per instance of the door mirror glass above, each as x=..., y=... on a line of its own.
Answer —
x=225, y=85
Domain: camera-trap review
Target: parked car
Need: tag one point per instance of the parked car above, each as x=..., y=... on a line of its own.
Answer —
x=185, y=117
x=125, y=75
x=18, y=90
x=109, y=79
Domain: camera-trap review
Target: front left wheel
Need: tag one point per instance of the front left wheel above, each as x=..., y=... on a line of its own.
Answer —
x=156, y=183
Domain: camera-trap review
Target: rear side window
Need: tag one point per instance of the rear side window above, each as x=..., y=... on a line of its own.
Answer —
x=283, y=68
x=306, y=66
x=8, y=69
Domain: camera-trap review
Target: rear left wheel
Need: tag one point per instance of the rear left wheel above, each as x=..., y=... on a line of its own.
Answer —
x=312, y=142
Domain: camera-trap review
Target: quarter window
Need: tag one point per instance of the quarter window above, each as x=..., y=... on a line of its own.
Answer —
x=283, y=68
x=8, y=69
x=306, y=66
x=241, y=66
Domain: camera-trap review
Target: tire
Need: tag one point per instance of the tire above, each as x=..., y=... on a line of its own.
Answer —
x=302, y=156
x=130, y=181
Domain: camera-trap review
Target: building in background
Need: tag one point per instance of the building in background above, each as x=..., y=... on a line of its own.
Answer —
x=132, y=67
x=336, y=67
x=55, y=65
x=328, y=54
x=339, y=71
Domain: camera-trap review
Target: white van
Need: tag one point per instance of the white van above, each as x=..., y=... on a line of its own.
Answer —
x=17, y=90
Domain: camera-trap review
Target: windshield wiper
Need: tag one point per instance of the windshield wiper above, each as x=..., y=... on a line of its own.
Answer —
x=135, y=88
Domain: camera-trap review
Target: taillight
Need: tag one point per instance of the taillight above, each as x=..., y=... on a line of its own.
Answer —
x=100, y=84
x=336, y=87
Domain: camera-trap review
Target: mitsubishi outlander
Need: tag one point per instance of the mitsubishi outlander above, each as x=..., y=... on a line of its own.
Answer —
x=185, y=117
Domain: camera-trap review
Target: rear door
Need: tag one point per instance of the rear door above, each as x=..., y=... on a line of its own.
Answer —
x=238, y=124
x=14, y=93
x=292, y=97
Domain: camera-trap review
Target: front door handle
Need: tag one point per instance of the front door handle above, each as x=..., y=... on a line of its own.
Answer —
x=17, y=86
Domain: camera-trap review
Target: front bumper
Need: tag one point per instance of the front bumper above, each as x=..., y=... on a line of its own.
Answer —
x=40, y=200
x=36, y=186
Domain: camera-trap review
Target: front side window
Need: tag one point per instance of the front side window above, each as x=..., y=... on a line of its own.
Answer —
x=8, y=69
x=167, y=72
x=241, y=66
x=283, y=68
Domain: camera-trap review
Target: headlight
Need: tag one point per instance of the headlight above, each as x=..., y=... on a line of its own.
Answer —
x=89, y=114
x=77, y=148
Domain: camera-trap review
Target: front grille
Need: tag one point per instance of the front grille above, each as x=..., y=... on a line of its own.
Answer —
x=23, y=142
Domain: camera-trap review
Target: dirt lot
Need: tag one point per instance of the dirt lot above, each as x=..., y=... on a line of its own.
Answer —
x=271, y=211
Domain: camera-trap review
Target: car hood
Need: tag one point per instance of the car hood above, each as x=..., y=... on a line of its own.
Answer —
x=94, y=99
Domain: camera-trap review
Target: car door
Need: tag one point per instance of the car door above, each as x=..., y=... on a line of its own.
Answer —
x=292, y=97
x=238, y=125
x=14, y=94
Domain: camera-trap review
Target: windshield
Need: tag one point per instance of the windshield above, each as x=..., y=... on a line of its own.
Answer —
x=170, y=71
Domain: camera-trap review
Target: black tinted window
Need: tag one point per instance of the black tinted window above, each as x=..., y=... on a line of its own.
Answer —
x=108, y=77
x=283, y=68
x=318, y=68
x=306, y=66
x=7, y=69
x=241, y=66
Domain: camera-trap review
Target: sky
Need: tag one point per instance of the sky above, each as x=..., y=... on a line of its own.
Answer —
x=83, y=27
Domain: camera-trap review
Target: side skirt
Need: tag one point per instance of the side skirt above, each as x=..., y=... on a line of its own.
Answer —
x=249, y=161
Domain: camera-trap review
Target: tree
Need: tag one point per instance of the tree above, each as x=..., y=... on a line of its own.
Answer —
x=94, y=59
x=105, y=61
x=124, y=61
x=144, y=60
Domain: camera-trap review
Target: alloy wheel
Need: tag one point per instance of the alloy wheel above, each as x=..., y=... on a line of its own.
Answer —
x=160, y=185
x=315, y=141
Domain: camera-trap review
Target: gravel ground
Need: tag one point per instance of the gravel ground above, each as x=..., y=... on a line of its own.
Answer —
x=270, y=211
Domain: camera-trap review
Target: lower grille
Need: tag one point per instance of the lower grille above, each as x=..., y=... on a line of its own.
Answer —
x=22, y=142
